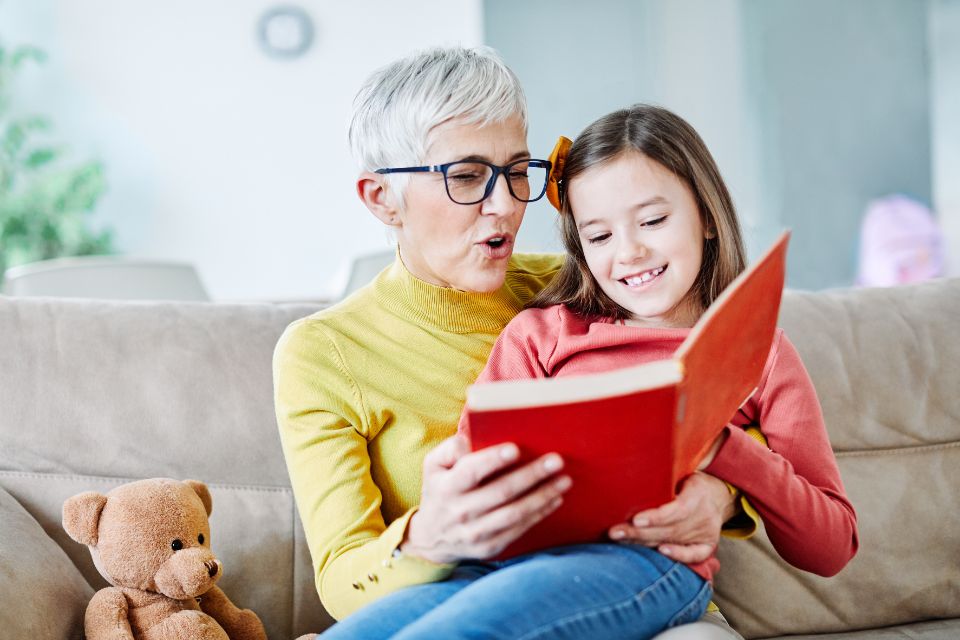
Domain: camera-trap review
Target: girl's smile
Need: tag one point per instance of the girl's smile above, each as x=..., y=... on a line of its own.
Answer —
x=643, y=279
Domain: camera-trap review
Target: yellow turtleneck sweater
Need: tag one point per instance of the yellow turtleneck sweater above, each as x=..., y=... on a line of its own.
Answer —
x=363, y=390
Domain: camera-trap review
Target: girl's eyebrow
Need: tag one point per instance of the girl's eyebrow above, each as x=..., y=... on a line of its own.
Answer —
x=646, y=203
x=652, y=201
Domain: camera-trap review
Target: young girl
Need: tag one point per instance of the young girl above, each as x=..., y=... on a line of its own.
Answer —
x=652, y=238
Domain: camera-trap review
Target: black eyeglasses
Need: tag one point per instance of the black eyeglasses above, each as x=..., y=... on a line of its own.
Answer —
x=472, y=181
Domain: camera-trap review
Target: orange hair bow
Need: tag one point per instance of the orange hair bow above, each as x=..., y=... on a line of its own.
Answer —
x=558, y=158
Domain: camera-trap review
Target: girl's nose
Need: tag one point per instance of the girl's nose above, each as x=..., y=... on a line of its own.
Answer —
x=631, y=249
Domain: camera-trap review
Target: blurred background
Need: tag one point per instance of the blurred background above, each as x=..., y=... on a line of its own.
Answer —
x=213, y=132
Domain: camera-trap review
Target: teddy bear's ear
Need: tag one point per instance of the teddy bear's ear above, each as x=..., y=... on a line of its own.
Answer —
x=203, y=492
x=81, y=516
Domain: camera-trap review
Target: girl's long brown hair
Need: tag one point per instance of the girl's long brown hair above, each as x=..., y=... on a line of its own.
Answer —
x=669, y=140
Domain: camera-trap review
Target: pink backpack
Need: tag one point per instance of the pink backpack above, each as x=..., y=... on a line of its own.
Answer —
x=900, y=242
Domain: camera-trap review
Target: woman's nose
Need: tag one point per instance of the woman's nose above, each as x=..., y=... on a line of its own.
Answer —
x=500, y=201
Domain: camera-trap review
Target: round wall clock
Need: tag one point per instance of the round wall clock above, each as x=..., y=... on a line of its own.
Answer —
x=285, y=31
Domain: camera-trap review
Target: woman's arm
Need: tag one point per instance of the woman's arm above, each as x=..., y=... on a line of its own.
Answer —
x=322, y=433
x=354, y=552
x=794, y=484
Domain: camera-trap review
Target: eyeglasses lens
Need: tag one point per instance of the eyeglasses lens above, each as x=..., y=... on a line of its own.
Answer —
x=467, y=181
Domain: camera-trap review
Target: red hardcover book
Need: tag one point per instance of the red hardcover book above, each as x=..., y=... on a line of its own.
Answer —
x=675, y=409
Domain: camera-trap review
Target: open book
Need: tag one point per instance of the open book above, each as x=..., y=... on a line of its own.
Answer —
x=629, y=436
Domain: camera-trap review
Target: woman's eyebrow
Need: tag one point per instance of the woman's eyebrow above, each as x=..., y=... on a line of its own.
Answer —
x=517, y=156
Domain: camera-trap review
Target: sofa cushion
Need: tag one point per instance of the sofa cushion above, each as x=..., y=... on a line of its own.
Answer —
x=886, y=365
x=935, y=630
x=253, y=531
x=43, y=593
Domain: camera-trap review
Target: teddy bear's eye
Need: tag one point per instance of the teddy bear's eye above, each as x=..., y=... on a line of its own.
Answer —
x=200, y=538
x=176, y=545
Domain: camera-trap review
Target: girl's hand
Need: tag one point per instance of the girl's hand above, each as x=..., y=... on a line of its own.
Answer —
x=688, y=528
x=461, y=518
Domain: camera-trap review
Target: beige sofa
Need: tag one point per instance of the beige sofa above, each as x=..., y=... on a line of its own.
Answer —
x=93, y=394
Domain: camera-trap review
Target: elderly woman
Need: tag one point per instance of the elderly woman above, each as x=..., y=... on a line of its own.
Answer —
x=401, y=519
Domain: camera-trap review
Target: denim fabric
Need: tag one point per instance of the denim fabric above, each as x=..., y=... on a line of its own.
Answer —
x=593, y=591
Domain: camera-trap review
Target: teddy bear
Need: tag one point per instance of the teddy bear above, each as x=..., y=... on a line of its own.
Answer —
x=150, y=539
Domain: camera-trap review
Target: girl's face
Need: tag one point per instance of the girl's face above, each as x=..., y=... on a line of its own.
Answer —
x=465, y=247
x=642, y=237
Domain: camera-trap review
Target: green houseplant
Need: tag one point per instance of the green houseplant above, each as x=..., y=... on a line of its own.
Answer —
x=45, y=201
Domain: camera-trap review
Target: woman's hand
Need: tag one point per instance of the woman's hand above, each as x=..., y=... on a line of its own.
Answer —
x=460, y=517
x=688, y=528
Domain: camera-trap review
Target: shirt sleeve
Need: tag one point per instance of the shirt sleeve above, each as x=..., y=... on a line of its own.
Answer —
x=323, y=432
x=793, y=482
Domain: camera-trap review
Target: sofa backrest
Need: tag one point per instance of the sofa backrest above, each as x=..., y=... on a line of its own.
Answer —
x=94, y=394
x=886, y=365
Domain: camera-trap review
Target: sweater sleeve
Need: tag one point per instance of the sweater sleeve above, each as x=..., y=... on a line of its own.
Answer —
x=323, y=431
x=794, y=484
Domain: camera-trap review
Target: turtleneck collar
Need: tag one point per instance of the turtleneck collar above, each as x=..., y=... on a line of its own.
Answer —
x=445, y=308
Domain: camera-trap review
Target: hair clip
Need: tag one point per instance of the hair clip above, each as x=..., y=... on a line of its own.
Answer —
x=558, y=158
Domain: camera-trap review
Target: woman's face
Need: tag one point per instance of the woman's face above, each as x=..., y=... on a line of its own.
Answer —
x=465, y=247
x=642, y=238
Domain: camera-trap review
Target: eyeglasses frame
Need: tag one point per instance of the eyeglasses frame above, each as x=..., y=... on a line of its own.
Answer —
x=491, y=183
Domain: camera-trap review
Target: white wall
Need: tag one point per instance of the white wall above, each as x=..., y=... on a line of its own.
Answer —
x=812, y=108
x=944, y=24
x=215, y=153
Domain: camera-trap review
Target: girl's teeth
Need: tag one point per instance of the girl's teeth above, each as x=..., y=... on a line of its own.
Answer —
x=646, y=277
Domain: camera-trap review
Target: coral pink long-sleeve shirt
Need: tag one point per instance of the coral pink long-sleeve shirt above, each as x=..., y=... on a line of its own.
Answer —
x=794, y=484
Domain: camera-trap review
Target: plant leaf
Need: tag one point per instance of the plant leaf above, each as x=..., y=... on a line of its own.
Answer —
x=40, y=157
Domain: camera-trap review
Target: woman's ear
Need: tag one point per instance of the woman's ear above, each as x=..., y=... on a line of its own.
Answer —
x=373, y=190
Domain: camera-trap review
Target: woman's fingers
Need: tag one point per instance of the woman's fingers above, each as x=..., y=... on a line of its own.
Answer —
x=528, y=509
x=510, y=486
x=446, y=454
x=665, y=515
x=655, y=536
x=687, y=553
x=474, y=468
x=489, y=537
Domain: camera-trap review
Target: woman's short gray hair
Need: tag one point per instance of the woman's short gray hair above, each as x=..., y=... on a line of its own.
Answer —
x=401, y=103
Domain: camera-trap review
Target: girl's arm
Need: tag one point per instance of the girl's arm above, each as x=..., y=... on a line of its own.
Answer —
x=794, y=484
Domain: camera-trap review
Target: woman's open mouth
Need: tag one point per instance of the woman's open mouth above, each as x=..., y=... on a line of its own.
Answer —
x=643, y=279
x=497, y=247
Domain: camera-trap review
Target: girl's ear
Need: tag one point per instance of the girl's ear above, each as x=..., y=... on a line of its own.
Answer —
x=709, y=233
x=373, y=191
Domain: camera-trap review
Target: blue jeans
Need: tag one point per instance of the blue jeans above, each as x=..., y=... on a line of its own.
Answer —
x=593, y=591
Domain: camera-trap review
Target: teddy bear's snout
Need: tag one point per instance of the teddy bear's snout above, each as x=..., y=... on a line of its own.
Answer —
x=188, y=573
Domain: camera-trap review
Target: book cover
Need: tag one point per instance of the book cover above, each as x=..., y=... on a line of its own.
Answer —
x=629, y=436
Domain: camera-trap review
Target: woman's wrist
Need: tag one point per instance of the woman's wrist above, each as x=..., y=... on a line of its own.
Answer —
x=413, y=543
